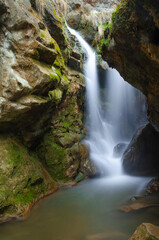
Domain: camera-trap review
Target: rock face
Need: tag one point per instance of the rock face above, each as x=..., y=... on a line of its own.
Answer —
x=146, y=231
x=38, y=92
x=28, y=69
x=23, y=180
x=61, y=151
x=90, y=17
x=142, y=154
x=133, y=49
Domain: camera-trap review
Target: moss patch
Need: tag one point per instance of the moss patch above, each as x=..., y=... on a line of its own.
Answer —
x=21, y=176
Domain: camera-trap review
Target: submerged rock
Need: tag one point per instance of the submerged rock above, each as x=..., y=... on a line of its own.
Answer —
x=140, y=203
x=106, y=236
x=142, y=154
x=119, y=149
x=146, y=231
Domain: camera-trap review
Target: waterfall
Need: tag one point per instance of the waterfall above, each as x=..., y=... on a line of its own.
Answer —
x=110, y=118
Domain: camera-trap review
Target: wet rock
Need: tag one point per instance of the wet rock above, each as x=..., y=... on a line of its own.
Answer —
x=138, y=203
x=153, y=186
x=119, y=149
x=142, y=154
x=146, y=231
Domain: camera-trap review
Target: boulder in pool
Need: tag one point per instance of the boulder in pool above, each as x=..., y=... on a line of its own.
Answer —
x=146, y=231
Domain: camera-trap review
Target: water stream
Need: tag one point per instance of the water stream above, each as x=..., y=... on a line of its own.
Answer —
x=90, y=211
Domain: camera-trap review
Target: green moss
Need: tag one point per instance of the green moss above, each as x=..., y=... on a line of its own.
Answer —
x=56, y=95
x=58, y=72
x=66, y=79
x=36, y=54
x=21, y=177
x=54, y=77
x=103, y=42
x=55, y=158
x=66, y=124
x=59, y=62
x=42, y=35
x=121, y=17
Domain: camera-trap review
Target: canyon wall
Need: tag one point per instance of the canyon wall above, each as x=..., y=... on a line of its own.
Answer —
x=41, y=106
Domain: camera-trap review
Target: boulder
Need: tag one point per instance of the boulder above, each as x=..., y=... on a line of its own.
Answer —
x=153, y=186
x=119, y=149
x=146, y=231
x=142, y=154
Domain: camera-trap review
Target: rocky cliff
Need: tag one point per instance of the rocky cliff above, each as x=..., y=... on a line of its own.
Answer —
x=90, y=17
x=41, y=105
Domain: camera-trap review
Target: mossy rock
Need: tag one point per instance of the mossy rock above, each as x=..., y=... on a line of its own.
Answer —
x=146, y=231
x=22, y=178
x=54, y=158
x=56, y=95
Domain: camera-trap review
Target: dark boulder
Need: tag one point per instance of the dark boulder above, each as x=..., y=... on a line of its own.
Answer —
x=142, y=155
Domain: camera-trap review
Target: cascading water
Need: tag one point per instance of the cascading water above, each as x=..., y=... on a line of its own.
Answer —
x=105, y=131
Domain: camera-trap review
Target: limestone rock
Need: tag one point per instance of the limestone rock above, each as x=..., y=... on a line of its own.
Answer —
x=29, y=57
x=89, y=17
x=146, y=231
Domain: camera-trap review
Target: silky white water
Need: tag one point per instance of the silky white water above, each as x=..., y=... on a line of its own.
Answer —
x=105, y=130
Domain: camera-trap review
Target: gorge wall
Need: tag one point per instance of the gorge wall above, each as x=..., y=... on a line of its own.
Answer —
x=42, y=88
x=41, y=106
